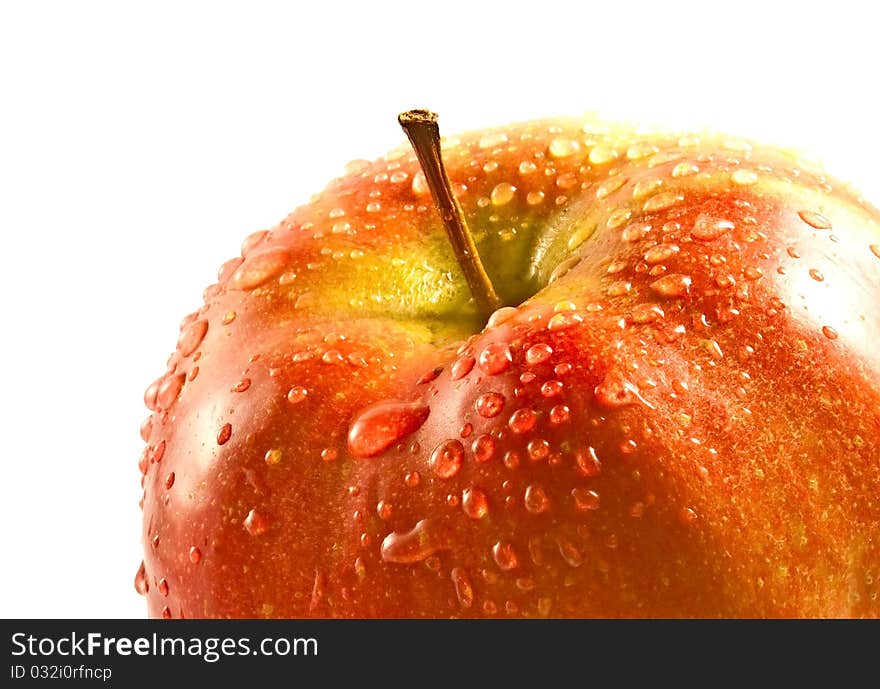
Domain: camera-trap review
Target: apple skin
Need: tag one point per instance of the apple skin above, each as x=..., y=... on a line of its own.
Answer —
x=680, y=419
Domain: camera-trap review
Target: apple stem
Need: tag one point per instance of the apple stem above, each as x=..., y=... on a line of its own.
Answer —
x=424, y=135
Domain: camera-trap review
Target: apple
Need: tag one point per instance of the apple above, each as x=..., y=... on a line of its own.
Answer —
x=562, y=368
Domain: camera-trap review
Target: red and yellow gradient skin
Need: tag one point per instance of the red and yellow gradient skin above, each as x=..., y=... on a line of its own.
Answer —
x=678, y=416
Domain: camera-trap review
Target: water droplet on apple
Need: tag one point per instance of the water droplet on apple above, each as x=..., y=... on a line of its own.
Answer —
x=585, y=500
x=564, y=320
x=169, y=390
x=562, y=147
x=224, y=434
x=505, y=556
x=166, y=613
x=496, y=358
x=533, y=198
x=559, y=414
x=661, y=201
x=684, y=170
x=600, y=154
x=502, y=315
x=708, y=228
x=141, y=584
x=169, y=480
x=258, y=268
x=502, y=194
x=461, y=367
x=829, y=332
x=522, y=420
x=412, y=479
x=526, y=167
x=272, y=457
x=570, y=553
x=425, y=539
x=563, y=268
x=875, y=249
x=538, y=449
x=483, y=448
x=617, y=218
x=157, y=452
x=162, y=586
x=384, y=424
x=463, y=589
x=241, y=385
x=447, y=458
x=255, y=523
x=552, y=388
x=195, y=555
x=535, y=499
x=647, y=313
x=297, y=394
x=490, y=404
x=635, y=231
x=815, y=220
x=816, y=275
x=538, y=354
x=672, y=285
x=660, y=253
x=474, y=503
x=191, y=337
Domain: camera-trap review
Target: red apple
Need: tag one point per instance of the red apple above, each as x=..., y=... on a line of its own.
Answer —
x=677, y=412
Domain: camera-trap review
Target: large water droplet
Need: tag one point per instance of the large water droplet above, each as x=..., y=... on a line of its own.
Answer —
x=384, y=424
x=461, y=367
x=195, y=555
x=191, y=337
x=169, y=390
x=522, y=420
x=258, y=268
x=490, y=404
x=496, y=358
x=538, y=354
x=447, y=458
x=561, y=147
x=475, y=503
x=661, y=252
x=502, y=194
x=483, y=448
x=585, y=500
x=564, y=320
x=426, y=538
x=672, y=285
x=816, y=220
x=536, y=500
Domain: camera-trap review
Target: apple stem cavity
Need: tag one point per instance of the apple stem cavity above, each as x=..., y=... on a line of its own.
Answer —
x=424, y=135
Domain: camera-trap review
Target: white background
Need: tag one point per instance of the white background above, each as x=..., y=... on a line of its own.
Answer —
x=140, y=143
